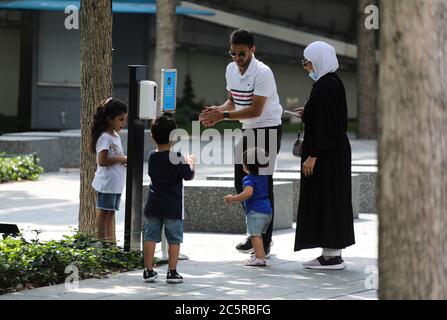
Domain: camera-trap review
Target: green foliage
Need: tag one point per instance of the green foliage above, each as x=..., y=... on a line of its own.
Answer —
x=187, y=108
x=18, y=168
x=32, y=264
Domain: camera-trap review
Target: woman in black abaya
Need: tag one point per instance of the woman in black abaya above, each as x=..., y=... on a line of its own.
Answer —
x=325, y=217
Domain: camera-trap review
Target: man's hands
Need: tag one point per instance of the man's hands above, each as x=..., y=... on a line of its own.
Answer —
x=210, y=116
x=123, y=160
x=308, y=166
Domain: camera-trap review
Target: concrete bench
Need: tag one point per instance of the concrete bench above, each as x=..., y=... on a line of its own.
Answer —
x=292, y=177
x=206, y=211
x=45, y=148
x=367, y=193
x=367, y=176
x=295, y=177
x=367, y=163
x=68, y=149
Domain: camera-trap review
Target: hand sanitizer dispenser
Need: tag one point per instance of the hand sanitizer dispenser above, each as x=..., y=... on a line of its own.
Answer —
x=147, y=100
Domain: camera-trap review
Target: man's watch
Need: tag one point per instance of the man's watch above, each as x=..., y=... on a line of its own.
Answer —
x=226, y=115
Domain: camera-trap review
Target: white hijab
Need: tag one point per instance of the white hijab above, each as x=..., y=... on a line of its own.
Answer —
x=323, y=58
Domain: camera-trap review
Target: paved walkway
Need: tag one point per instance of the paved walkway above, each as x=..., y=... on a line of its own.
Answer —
x=215, y=269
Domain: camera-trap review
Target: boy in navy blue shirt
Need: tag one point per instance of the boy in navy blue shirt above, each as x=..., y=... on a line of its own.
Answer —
x=258, y=209
x=164, y=206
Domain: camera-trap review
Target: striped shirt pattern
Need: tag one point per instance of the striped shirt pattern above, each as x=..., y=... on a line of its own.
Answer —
x=242, y=98
x=258, y=80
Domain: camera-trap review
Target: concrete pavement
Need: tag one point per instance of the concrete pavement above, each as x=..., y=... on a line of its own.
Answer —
x=215, y=269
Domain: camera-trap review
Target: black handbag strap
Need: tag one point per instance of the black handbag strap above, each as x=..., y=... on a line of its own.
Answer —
x=301, y=128
x=302, y=122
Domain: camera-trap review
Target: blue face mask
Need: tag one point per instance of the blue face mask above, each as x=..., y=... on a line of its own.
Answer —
x=313, y=76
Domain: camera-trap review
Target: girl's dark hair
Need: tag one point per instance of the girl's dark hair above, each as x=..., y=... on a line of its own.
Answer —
x=242, y=36
x=251, y=161
x=162, y=127
x=108, y=109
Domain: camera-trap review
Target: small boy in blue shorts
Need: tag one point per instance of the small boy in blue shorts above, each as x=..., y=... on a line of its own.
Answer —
x=164, y=206
x=258, y=209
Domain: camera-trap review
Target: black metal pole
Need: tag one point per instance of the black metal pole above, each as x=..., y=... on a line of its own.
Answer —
x=135, y=156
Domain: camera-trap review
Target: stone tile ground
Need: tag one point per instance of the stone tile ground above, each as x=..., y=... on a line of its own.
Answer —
x=215, y=269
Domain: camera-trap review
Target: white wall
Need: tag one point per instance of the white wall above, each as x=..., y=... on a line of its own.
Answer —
x=9, y=70
x=58, y=62
x=59, y=50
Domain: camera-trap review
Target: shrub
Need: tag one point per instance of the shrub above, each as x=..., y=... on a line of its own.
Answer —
x=18, y=168
x=32, y=264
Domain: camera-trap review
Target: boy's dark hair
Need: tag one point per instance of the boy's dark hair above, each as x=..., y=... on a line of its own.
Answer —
x=162, y=127
x=242, y=36
x=251, y=161
x=108, y=109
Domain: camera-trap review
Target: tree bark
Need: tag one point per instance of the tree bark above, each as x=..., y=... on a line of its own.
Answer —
x=412, y=194
x=165, y=37
x=366, y=76
x=96, y=85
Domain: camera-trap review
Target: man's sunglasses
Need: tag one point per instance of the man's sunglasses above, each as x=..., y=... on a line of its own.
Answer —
x=234, y=54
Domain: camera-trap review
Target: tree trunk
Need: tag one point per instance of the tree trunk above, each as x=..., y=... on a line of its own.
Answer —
x=366, y=76
x=412, y=194
x=26, y=70
x=96, y=85
x=165, y=38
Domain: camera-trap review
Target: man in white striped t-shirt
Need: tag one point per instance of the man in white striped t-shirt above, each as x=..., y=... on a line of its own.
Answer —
x=253, y=100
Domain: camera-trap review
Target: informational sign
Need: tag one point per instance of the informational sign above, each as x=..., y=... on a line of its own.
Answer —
x=168, y=89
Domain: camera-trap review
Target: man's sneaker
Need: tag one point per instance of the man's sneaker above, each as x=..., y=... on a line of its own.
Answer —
x=149, y=275
x=173, y=277
x=245, y=246
x=255, y=262
x=328, y=263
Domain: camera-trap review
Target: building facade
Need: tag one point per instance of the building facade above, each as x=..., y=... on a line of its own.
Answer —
x=281, y=28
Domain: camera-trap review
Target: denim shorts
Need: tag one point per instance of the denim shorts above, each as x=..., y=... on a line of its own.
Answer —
x=108, y=201
x=173, y=230
x=257, y=223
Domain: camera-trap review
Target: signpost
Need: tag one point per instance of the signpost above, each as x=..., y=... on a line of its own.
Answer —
x=142, y=105
x=168, y=90
x=135, y=150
